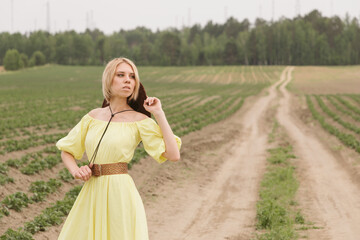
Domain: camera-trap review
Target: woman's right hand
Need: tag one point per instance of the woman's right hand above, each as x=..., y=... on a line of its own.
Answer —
x=83, y=173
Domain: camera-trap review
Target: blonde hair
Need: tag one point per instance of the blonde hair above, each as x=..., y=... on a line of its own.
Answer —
x=109, y=74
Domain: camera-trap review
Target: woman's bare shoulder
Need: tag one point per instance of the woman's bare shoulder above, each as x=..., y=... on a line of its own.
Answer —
x=95, y=112
x=140, y=116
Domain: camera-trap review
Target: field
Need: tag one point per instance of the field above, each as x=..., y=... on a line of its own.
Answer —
x=327, y=80
x=327, y=103
x=333, y=98
x=268, y=152
x=40, y=105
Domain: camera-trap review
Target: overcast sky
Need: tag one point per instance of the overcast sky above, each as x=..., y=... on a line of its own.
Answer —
x=113, y=15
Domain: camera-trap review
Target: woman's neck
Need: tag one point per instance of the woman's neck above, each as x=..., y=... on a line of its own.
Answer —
x=119, y=104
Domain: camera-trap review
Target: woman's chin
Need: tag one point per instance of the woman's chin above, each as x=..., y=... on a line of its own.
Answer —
x=123, y=95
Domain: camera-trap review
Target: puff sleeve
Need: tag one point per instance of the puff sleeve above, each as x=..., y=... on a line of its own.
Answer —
x=152, y=138
x=74, y=142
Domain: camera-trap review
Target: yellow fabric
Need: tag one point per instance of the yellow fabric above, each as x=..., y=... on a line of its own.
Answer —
x=110, y=206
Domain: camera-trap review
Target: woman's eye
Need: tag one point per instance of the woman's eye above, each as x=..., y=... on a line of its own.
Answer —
x=133, y=76
x=120, y=75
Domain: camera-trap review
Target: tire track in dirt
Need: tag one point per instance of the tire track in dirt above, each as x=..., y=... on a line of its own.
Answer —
x=225, y=206
x=327, y=194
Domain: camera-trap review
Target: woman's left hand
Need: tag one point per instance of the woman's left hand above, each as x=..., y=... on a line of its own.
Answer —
x=152, y=105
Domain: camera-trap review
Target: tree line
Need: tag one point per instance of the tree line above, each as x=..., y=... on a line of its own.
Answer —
x=311, y=39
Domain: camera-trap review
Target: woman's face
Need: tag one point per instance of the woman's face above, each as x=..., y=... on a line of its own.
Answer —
x=123, y=83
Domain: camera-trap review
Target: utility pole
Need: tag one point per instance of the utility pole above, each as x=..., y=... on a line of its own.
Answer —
x=87, y=20
x=189, y=17
x=297, y=8
x=225, y=13
x=48, y=23
x=12, y=16
x=260, y=11
x=35, y=24
x=176, y=21
x=92, y=24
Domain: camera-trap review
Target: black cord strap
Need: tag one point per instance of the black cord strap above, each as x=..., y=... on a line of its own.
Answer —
x=96, y=150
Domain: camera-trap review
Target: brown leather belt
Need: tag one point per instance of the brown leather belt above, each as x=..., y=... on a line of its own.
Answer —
x=109, y=168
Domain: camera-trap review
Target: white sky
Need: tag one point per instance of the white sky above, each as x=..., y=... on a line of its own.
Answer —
x=113, y=15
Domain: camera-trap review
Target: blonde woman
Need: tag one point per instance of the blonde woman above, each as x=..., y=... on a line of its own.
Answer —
x=109, y=205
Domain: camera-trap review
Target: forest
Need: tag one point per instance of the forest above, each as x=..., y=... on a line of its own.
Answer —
x=311, y=39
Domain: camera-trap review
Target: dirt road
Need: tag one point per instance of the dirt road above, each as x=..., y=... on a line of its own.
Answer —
x=327, y=193
x=223, y=207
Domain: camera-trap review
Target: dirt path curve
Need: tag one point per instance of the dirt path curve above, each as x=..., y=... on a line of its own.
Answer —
x=225, y=207
x=327, y=193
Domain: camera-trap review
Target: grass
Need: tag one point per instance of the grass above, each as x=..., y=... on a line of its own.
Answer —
x=277, y=211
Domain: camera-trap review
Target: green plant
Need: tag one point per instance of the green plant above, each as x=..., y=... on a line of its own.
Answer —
x=42, y=189
x=16, y=201
x=65, y=175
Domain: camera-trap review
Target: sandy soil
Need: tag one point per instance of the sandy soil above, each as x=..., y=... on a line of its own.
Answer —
x=327, y=194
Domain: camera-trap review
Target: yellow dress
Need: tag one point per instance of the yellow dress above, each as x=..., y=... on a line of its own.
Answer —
x=110, y=207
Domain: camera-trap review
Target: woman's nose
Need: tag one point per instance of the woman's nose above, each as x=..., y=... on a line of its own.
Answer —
x=127, y=78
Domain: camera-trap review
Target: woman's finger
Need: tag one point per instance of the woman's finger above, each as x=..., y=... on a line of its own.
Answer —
x=86, y=169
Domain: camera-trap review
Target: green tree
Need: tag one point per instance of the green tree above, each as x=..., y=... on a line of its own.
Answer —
x=37, y=59
x=83, y=46
x=24, y=58
x=64, y=46
x=12, y=60
x=170, y=48
x=231, y=52
x=252, y=48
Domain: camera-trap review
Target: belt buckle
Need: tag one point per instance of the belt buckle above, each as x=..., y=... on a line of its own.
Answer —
x=100, y=169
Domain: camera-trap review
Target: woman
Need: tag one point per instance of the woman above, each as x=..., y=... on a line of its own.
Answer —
x=109, y=205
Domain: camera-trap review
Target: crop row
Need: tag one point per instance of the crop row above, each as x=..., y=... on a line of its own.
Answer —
x=348, y=139
x=342, y=109
x=30, y=163
x=39, y=189
x=51, y=216
x=336, y=117
x=19, y=200
x=355, y=109
x=356, y=98
x=16, y=145
x=215, y=74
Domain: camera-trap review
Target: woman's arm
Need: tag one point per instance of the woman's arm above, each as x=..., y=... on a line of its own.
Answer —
x=153, y=105
x=172, y=152
x=83, y=172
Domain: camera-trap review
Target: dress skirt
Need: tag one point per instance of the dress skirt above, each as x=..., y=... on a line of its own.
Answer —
x=107, y=208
